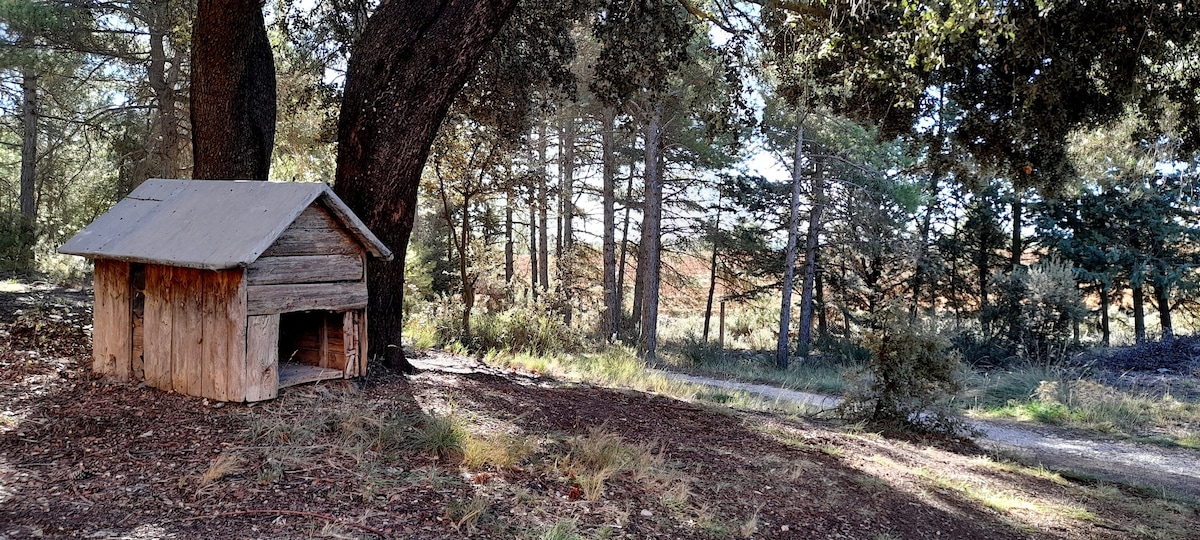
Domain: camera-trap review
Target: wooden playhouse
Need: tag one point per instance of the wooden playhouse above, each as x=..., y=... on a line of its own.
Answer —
x=229, y=290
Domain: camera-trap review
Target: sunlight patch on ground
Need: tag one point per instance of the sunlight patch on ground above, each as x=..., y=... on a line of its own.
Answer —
x=13, y=287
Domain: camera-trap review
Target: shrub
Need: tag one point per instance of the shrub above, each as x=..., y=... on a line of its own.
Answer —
x=911, y=376
x=1039, y=307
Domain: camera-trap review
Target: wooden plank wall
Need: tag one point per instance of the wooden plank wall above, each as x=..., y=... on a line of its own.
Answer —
x=262, y=353
x=112, y=325
x=195, y=328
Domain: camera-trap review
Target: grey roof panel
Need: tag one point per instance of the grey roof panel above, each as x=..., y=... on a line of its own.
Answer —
x=207, y=224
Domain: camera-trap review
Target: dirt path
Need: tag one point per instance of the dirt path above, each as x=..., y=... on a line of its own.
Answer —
x=1131, y=463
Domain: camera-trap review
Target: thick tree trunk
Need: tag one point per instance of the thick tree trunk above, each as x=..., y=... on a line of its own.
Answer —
x=810, y=259
x=822, y=318
x=233, y=91
x=651, y=239
x=1162, y=300
x=1139, y=314
x=163, y=149
x=789, y=265
x=410, y=62
x=29, y=122
x=612, y=306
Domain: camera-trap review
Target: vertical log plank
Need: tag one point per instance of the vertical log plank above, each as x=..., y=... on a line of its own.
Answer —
x=349, y=347
x=220, y=323
x=361, y=319
x=262, y=357
x=234, y=283
x=191, y=328
x=157, y=332
x=181, y=287
x=112, y=325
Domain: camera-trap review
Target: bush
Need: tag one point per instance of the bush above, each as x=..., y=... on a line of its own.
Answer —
x=16, y=243
x=1039, y=308
x=912, y=375
x=531, y=328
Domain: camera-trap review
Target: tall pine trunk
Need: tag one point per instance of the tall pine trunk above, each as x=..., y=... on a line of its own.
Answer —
x=612, y=306
x=408, y=65
x=621, y=261
x=509, y=241
x=810, y=259
x=1105, y=326
x=789, y=265
x=233, y=91
x=566, y=166
x=29, y=121
x=649, y=264
x=712, y=271
x=543, y=200
x=1162, y=298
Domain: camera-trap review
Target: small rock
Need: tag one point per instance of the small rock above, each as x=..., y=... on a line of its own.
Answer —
x=647, y=513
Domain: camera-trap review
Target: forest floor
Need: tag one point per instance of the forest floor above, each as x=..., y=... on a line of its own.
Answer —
x=83, y=457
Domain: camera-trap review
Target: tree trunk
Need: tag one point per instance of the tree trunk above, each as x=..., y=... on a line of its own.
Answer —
x=509, y=242
x=922, y=266
x=1017, y=206
x=410, y=62
x=566, y=167
x=1105, y=327
x=810, y=259
x=822, y=318
x=233, y=91
x=464, y=275
x=533, y=245
x=789, y=265
x=163, y=148
x=625, y=251
x=612, y=306
x=712, y=271
x=1139, y=314
x=27, y=198
x=543, y=221
x=651, y=240
x=29, y=136
x=1162, y=299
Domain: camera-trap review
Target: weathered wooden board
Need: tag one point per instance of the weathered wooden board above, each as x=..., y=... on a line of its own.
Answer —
x=158, y=320
x=291, y=374
x=314, y=217
x=363, y=351
x=296, y=241
x=305, y=269
x=267, y=299
x=224, y=336
x=350, y=344
x=262, y=357
x=112, y=336
x=187, y=334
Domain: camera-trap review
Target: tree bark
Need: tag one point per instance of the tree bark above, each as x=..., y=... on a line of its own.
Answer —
x=29, y=122
x=411, y=61
x=712, y=272
x=163, y=149
x=1105, y=327
x=612, y=304
x=509, y=242
x=1016, y=248
x=566, y=167
x=625, y=250
x=1139, y=314
x=789, y=265
x=233, y=91
x=651, y=238
x=533, y=243
x=810, y=259
x=1162, y=299
x=922, y=266
x=543, y=220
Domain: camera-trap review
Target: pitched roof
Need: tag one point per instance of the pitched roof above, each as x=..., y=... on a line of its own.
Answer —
x=207, y=224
